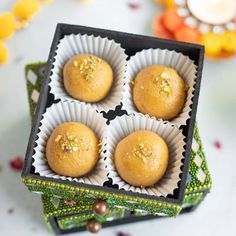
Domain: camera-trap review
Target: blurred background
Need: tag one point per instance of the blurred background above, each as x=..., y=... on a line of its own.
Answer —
x=21, y=211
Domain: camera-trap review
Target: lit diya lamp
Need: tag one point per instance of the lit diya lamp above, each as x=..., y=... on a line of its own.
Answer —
x=208, y=22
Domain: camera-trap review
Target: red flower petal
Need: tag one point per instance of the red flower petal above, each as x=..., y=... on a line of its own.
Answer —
x=218, y=145
x=134, y=5
x=17, y=163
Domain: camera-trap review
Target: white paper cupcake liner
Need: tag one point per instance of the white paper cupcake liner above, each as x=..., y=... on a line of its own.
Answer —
x=122, y=127
x=104, y=48
x=182, y=64
x=67, y=112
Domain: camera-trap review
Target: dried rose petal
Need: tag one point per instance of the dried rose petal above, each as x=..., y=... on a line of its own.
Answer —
x=17, y=163
x=218, y=145
x=134, y=5
x=69, y=202
x=123, y=234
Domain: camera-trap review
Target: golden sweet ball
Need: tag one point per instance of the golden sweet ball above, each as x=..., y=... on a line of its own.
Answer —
x=26, y=9
x=7, y=25
x=159, y=91
x=72, y=149
x=141, y=158
x=87, y=78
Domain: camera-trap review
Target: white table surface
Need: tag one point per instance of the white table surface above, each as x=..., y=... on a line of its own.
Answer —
x=216, y=118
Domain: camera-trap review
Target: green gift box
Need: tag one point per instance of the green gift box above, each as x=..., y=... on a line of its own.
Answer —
x=71, y=213
x=194, y=180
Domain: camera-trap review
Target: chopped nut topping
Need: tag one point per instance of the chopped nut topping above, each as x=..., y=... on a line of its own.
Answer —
x=88, y=66
x=58, y=138
x=156, y=80
x=71, y=143
x=163, y=79
x=76, y=64
x=165, y=87
x=165, y=75
x=143, y=151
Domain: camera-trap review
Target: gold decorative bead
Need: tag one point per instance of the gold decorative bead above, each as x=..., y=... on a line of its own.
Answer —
x=93, y=226
x=100, y=207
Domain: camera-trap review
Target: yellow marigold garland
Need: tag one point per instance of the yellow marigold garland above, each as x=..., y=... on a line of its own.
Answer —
x=21, y=13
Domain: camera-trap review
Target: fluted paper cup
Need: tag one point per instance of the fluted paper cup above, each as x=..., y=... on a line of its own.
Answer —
x=125, y=125
x=70, y=112
x=182, y=64
x=108, y=50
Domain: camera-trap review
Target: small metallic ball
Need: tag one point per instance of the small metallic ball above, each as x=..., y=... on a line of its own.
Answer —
x=93, y=226
x=100, y=208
